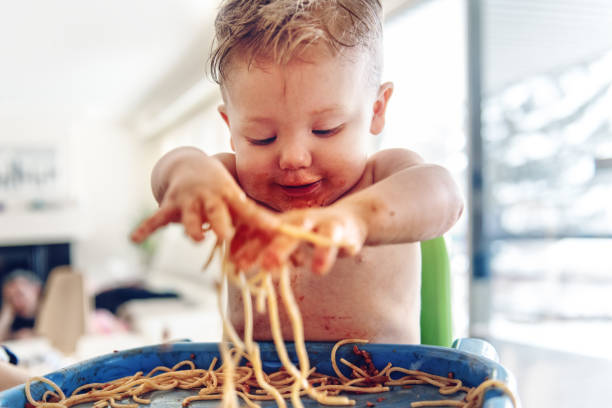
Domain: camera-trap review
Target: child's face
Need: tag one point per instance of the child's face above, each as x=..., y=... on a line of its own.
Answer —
x=300, y=130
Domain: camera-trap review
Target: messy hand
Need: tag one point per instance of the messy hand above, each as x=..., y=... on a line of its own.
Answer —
x=272, y=248
x=206, y=194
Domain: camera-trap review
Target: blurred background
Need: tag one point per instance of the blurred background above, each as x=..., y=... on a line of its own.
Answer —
x=513, y=96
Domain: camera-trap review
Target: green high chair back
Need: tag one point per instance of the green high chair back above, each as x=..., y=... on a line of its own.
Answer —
x=436, y=317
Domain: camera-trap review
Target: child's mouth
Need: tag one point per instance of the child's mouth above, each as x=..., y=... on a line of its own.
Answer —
x=300, y=190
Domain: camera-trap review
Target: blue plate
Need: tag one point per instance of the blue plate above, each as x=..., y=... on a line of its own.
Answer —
x=470, y=366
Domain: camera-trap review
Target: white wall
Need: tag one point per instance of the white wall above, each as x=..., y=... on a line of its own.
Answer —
x=97, y=200
x=110, y=181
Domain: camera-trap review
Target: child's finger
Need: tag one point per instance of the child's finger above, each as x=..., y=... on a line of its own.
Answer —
x=299, y=256
x=163, y=216
x=191, y=219
x=219, y=217
x=323, y=259
x=278, y=251
x=253, y=214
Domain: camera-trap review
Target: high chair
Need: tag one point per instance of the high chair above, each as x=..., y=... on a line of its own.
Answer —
x=436, y=316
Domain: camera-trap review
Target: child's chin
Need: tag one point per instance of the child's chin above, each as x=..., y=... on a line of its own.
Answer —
x=298, y=204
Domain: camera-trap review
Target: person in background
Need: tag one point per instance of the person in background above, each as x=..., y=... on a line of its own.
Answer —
x=21, y=291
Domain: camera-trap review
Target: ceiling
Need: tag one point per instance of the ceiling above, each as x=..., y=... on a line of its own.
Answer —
x=128, y=61
x=69, y=58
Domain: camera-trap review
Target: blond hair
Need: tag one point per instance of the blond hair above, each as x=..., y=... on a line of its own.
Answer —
x=280, y=30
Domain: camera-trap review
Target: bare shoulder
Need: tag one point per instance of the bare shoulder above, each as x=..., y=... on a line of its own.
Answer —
x=229, y=162
x=387, y=162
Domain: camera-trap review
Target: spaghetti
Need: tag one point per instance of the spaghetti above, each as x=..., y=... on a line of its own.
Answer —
x=249, y=382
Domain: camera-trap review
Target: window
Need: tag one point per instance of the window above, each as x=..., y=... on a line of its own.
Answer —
x=425, y=58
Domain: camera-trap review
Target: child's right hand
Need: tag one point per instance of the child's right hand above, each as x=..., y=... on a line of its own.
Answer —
x=204, y=193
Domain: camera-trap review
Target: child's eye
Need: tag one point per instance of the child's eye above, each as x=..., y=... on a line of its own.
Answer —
x=326, y=132
x=262, y=142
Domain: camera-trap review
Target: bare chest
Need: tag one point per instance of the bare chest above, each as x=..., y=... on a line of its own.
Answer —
x=373, y=295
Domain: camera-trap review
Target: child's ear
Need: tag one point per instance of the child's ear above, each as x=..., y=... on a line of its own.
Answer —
x=380, y=107
x=223, y=112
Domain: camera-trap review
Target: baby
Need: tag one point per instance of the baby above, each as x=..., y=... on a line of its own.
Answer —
x=302, y=97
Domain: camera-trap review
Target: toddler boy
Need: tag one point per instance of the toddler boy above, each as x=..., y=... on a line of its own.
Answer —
x=302, y=95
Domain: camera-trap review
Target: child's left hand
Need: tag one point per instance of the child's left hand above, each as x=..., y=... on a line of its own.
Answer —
x=271, y=249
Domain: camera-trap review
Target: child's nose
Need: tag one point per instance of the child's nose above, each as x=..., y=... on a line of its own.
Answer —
x=294, y=155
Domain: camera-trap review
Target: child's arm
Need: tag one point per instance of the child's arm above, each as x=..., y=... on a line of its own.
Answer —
x=193, y=188
x=409, y=200
x=11, y=375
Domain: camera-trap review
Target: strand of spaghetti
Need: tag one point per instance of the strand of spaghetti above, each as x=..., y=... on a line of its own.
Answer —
x=481, y=389
x=285, y=391
x=451, y=389
x=184, y=363
x=156, y=369
x=229, y=399
x=228, y=328
x=212, y=387
x=266, y=397
x=139, y=400
x=87, y=386
x=287, y=379
x=198, y=381
x=116, y=405
x=245, y=376
x=431, y=381
x=212, y=364
x=214, y=252
x=49, y=393
x=255, y=284
x=384, y=370
x=312, y=237
x=277, y=335
x=46, y=381
x=367, y=390
x=248, y=401
x=257, y=366
x=298, y=335
x=417, y=373
x=261, y=301
x=296, y=387
x=355, y=381
x=408, y=381
x=339, y=344
x=282, y=351
x=204, y=397
x=438, y=403
x=248, y=314
x=354, y=367
x=300, y=345
x=112, y=392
